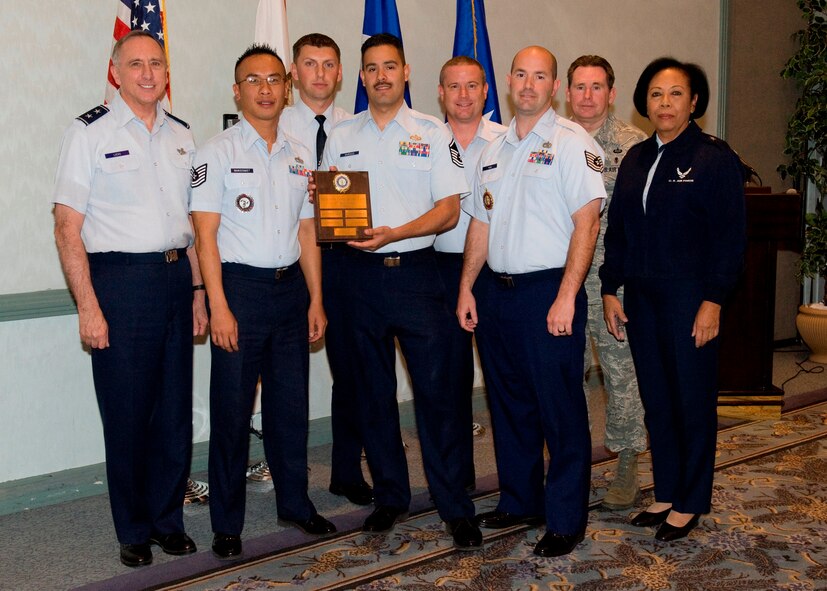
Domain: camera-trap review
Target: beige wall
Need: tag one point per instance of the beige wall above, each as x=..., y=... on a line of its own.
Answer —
x=53, y=58
x=758, y=104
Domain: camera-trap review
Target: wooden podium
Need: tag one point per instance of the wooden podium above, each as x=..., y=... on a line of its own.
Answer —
x=745, y=388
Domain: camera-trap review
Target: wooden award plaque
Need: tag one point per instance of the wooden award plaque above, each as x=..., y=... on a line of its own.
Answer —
x=342, y=206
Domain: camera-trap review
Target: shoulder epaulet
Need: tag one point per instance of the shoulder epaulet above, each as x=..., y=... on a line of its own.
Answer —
x=93, y=115
x=176, y=119
x=715, y=141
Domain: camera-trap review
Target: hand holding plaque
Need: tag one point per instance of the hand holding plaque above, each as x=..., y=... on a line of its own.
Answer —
x=342, y=206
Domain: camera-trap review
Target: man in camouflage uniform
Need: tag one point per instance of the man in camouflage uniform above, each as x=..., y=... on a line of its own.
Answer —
x=590, y=91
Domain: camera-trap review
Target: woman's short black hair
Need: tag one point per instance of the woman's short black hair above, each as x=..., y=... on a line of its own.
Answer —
x=698, y=84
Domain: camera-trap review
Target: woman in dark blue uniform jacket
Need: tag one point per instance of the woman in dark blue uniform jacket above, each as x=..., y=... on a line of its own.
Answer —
x=675, y=240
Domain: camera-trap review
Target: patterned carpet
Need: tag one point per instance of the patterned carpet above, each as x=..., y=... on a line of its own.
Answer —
x=768, y=530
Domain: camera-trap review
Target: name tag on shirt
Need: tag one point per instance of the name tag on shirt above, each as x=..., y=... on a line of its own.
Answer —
x=346, y=154
x=489, y=167
x=415, y=149
x=543, y=157
x=241, y=170
x=116, y=154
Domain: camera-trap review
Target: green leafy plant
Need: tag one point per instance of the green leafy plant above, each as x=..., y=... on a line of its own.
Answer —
x=813, y=260
x=806, y=139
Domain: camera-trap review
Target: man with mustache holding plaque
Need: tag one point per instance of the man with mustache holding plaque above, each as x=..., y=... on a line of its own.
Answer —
x=394, y=291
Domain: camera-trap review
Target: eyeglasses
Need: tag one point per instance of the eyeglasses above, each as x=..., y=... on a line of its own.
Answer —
x=258, y=80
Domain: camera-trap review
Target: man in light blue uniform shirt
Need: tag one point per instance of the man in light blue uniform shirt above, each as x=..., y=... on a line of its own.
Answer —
x=535, y=206
x=394, y=290
x=123, y=236
x=317, y=71
x=256, y=242
x=462, y=92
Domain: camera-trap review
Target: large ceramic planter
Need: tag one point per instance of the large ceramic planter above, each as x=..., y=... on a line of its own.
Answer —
x=812, y=325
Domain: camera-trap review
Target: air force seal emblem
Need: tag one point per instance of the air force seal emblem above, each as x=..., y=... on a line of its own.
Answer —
x=244, y=203
x=341, y=182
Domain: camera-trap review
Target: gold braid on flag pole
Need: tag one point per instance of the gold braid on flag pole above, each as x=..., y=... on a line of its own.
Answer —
x=166, y=49
x=474, y=26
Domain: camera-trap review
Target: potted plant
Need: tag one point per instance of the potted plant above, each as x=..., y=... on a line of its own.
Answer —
x=805, y=145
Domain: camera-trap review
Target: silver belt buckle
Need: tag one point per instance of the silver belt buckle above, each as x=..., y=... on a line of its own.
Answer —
x=392, y=261
x=280, y=272
x=171, y=256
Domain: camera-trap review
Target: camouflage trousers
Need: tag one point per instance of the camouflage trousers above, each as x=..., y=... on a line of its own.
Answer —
x=624, y=412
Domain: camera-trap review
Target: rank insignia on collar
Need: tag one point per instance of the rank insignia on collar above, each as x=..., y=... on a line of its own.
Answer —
x=488, y=200
x=416, y=138
x=244, y=203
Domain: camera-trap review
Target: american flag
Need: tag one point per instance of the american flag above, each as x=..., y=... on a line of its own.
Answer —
x=146, y=15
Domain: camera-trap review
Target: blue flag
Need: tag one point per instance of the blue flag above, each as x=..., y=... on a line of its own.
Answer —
x=471, y=40
x=380, y=17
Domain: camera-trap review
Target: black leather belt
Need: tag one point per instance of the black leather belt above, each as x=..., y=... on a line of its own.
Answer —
x=511, y=280
x=395, y=259
x=261, y=272
x=333, y=246
x=138, y=258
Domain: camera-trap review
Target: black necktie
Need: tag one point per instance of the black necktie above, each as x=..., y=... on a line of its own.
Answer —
x=321, y=138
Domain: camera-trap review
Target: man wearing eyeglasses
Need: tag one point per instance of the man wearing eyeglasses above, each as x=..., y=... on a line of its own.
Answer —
x=256, y=240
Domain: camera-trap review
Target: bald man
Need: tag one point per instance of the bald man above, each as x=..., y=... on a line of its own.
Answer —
x=535, y=210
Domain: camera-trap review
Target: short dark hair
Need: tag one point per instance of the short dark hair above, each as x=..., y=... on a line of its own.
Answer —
x=315, y=40
x=585, y=61
x=383, y=39
x=256, y=49
x=460, y=60
x=116, y=49
x=698, y=84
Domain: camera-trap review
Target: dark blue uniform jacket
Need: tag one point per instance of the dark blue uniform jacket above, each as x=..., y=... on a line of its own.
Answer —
x=694, y=226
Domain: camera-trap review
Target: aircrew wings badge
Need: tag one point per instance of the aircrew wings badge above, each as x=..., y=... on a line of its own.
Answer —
x=594, y=161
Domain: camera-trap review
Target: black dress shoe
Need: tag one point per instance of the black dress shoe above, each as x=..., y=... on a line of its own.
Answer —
x=226, y=545
x=466, y=534
x=176, y=544
x=358, y=494
x=315, y=526
x=501, y=519
x=554, y=544
x=649, y=519
x=668, y=532
x=136, y=554
x=383, y=519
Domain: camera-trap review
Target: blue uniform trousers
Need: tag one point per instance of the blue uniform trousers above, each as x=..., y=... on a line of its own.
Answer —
x=346, y=454
x=678, y=388
x=535, y=386
x=143, y=383
x=407, y=302
x=272, y=341
x=450, y=269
